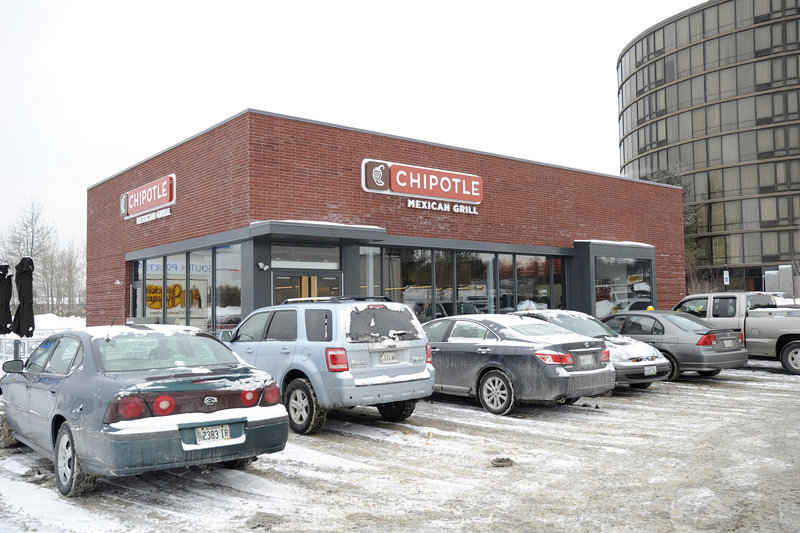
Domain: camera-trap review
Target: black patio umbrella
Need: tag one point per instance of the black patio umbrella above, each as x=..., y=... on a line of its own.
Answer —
x=5, y=298
x=23, y=319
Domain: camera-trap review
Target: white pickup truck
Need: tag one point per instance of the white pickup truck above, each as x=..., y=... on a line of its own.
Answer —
x=769, y=330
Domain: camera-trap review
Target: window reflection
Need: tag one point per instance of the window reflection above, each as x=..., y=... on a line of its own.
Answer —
x=621, y=284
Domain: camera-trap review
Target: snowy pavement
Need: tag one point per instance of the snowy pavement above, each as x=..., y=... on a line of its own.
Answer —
x=697, y=454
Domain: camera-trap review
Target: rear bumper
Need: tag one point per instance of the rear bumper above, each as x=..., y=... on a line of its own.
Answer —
x=628, y=372
x=158, y=443
x=716, y=361
x=342, y=389
x=556, y=383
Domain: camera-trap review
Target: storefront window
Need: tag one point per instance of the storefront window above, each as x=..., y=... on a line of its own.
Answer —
x=559, y=297
x=154, y=286
x=443, y=268
x=505, y=266
x=198, y=298
x=305, y=257
x=175, y=299
x=228, y=293
x=533, y=282
x=407, y=279
x=370, y=265
x=475, y=279
x=621, y=284
x=136, y=289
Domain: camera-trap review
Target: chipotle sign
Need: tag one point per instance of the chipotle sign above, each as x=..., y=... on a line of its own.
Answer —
x=155, y=195
x=406, y=180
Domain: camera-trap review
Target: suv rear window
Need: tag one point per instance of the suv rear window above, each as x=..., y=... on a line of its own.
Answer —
x=376, y=323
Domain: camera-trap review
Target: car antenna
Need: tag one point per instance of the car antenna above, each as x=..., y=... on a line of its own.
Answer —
x=108, y=335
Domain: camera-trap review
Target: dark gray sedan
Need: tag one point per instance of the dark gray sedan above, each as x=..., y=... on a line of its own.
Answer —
x=690, y=343
x=506, y=359
x=114, y=401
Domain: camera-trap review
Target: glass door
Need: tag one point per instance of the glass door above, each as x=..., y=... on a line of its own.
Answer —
x=305, y=285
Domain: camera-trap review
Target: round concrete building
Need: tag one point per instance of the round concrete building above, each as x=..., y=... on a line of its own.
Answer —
x=713, y=94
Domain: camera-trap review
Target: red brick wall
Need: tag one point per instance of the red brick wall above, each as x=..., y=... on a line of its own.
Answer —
x=305, y=171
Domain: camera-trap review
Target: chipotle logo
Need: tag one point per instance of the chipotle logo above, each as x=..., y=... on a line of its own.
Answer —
x=155, y=195
x=405, y=180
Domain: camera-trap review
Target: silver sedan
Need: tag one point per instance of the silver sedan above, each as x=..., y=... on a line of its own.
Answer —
x=690, y=343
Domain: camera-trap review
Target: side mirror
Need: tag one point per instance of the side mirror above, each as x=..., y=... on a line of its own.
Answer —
x=226, y=335
x=15, y=366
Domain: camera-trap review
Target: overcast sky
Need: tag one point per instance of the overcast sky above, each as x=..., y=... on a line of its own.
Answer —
x=90, y=88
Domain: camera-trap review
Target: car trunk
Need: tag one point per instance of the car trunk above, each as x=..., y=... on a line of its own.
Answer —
x=586, y=355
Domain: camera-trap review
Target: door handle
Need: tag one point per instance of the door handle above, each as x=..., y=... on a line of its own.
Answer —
x=286, y=351
x=248, y=350
x=53, y=392
x=434, y=350
x=484, y=350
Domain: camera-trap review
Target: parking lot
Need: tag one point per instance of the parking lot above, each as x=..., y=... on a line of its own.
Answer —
x=713, y=454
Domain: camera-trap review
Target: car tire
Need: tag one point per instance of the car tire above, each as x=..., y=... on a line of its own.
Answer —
x=790, y=357
x=305, y=415
x=641, y=385
x=496, y=393
x=674, y=369
x=70, y=477
x=396, y=411
x=708, y=373
x=7, y=439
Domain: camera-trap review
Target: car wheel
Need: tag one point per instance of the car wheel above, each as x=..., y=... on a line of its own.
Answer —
x=397, y=411
x=496, y=393
x=70, y=477
x=6, y=438
x=708, y=373
x=305, y=414
x=674, y=369
x=641, y=385
x=790, y=357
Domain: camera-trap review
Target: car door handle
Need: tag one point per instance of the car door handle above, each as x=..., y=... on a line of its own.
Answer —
x=484, y=350
x=286, y=351
x=434, y=350
x=53, y=392
x=248, y=350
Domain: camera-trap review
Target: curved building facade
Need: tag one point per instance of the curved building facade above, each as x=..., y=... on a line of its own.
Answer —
x=713, y=94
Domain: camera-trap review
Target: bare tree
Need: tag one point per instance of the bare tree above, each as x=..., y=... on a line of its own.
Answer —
x=59, y=279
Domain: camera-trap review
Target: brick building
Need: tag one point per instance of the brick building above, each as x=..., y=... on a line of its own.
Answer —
x=263, y=207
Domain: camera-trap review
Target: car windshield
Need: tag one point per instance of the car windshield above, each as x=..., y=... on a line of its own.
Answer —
x=377, y=322
x=589, y=326
x=758, y=301
x=689, y=322
x=537, y=328
x=137, y=352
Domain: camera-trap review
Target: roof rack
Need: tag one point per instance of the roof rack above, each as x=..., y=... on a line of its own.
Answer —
x=337, y=299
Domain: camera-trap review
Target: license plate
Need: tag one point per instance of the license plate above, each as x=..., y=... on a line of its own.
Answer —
x=389, y=357
x=650, y=371
x=586, y=360
x=727, y=343
x=212, y=434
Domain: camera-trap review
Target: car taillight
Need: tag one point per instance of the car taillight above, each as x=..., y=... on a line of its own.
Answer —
x=741, y=337
x=126, y=407
x=428, y=354
x=272, y=395
x=555, y=358
x=605, y=355
x=249, y=397
x=163, y=405
x=336, y=359
x=707, y=340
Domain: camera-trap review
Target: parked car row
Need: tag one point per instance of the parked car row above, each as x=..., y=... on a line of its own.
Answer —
x=129, y=399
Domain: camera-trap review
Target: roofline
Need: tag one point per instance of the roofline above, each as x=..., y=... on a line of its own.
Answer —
x=666, y=21
x=368, y=132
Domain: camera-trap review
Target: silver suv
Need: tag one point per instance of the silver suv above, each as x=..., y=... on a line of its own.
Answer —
x=327, y=353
